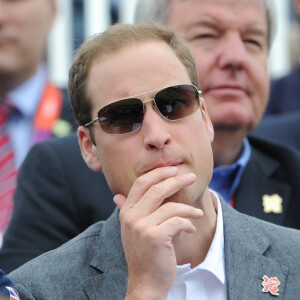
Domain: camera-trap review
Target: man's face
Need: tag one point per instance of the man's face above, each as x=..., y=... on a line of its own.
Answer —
x=184, y=143
x=228, y=39
x=24, y=26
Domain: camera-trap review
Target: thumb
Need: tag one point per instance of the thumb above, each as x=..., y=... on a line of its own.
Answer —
x=119, y=200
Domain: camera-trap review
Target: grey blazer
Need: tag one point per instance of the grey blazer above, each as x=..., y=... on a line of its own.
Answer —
x=93, y=265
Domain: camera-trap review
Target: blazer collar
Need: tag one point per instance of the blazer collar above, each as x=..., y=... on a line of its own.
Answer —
x=246, y=257
x=246, y=260
x=109, y=259
x=250, y=201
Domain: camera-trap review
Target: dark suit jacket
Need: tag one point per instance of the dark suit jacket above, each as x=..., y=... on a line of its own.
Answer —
x=93, y=265
x=282, y=128
x=272, y=169
x=58, y=196
x=285, y=94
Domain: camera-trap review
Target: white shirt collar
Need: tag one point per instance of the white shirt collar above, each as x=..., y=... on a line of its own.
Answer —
x=207, y=280
x=214, y=261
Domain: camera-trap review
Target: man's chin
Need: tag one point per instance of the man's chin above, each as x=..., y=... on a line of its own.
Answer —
x=179, y=197
x=231, y=123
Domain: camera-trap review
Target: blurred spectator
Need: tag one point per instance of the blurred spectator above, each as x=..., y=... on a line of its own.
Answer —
x=32, y=109
x=57, y=197
x=233, y=75
x=285, y=91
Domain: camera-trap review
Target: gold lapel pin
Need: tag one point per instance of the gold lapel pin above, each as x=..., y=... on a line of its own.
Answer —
x=272, y=204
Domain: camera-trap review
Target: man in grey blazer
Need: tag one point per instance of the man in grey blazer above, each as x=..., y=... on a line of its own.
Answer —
x=170, y=237
x=54, y=202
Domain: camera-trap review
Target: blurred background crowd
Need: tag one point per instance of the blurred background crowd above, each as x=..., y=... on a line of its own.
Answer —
x=78, y=19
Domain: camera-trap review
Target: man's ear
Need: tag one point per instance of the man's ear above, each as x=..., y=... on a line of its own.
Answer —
x=88, y=149
x=208, y=124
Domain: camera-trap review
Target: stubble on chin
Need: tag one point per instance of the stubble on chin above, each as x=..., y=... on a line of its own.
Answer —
x=179, y=197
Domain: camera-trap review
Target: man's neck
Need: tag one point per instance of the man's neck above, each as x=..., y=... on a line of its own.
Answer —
x=9, y=81
x=227, y=146
x=193, y=248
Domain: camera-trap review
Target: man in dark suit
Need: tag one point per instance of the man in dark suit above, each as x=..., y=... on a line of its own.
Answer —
x=265, y=184
x=37, y=109
x=170, y=237
x=24, y=82
x=234, y=79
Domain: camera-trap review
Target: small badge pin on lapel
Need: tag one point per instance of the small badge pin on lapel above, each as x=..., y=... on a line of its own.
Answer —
x=272, y=204
x=270, y=285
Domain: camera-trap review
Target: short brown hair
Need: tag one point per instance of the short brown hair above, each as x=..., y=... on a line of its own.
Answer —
x=113, y=39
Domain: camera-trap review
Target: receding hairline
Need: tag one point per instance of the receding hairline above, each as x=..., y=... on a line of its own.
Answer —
x=101, y=57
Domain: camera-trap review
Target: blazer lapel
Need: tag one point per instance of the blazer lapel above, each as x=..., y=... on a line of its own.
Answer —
x=246, y=259
x=258, y=174
x=109, y=259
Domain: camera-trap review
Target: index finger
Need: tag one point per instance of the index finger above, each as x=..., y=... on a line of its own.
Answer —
x=144, y=182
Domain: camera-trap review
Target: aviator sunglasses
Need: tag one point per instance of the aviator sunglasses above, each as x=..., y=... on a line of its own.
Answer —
x=126, y=115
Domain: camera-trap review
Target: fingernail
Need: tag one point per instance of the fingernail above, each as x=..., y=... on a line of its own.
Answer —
x=172, y=169
x=199, y=211
x=190, y=176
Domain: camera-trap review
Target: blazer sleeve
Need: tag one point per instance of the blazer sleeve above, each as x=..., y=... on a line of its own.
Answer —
x=57, y=197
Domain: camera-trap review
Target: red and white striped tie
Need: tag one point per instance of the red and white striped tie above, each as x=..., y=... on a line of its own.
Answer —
x=8, y=172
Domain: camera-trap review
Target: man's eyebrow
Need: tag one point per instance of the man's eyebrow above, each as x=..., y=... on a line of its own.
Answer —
x=205, y=22
x=256, y=31
x=213, y=24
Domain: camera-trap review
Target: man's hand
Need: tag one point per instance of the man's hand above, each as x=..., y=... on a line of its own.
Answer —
x=148, y=227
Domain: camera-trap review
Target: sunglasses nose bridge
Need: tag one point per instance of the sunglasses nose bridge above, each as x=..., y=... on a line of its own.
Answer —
x=149, y=100
x=154, y=106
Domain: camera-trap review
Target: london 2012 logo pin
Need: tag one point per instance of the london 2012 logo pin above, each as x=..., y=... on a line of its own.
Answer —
x=270, y=285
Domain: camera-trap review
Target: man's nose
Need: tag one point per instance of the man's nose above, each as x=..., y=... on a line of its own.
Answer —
x=155, y=129
x=232, y=52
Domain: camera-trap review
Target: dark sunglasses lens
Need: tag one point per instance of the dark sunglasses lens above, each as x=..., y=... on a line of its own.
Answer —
x=177, y=102
x=121, y=117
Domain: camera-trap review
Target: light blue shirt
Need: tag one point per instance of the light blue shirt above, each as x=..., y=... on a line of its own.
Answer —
x=25, y=98
x=226, y=179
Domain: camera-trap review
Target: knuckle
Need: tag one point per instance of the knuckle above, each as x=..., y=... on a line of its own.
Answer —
x=140, y=181
x=171, y=206
x=152, y=237
x=128, y=221
x=121, y=216
x=156, y=189
x=139, y=228
x=180, y=221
